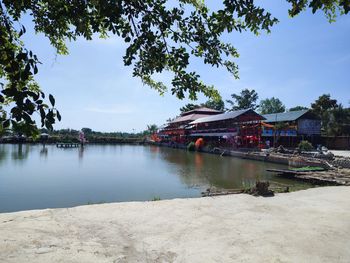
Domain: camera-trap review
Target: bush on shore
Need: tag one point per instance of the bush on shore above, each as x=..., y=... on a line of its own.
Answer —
x=305, y=146
x=191, y=146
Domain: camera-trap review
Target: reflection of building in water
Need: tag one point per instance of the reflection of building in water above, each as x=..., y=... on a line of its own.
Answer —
x=154, y=149
x=81, y=152
x=3, y=153
x=20, y=152
x=199, y=162
x=44, y=152
x=205, y=170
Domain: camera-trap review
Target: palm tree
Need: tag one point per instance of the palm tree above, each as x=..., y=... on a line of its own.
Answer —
x=151, y=129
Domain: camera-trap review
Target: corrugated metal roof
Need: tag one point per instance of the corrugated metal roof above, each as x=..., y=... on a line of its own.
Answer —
x=223, y=116
x=284, y=116
x=201, y=110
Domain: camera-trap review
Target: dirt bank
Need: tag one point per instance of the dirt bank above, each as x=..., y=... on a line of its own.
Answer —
x=305, y=226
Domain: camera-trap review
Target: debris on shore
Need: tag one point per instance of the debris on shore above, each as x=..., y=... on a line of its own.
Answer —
x=326, y=177
x=260, y=189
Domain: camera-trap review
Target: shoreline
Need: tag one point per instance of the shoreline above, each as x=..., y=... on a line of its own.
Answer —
x=310, y=225
x=255, y=155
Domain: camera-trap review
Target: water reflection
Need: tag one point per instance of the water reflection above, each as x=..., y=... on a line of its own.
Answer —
x=20, y=152
x=3, y=154
x=81, y=153
x=44, y=152
x=212, y=170
x=37, y=176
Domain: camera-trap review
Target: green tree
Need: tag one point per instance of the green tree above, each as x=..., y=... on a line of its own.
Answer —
x=337, y=121
x=3, y=131
x=322, y=107
x=245, y=100
x=21, y=128
x=272, y=105
x=217, y=104
x=323, y=104
x=152, y=128
x=87, y=131
x=298, y=108
x=161, y=36
x=188, y=107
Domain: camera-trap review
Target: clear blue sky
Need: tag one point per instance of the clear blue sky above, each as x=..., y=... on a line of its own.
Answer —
x=302, y=58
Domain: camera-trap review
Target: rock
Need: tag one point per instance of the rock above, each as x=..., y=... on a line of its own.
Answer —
x=330, y=155
x=261, y=189
x=281, y=149
x=341, y=162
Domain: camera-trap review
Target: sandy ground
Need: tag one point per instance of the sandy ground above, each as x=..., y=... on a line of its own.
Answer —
x=305, y=226
x=341, y=153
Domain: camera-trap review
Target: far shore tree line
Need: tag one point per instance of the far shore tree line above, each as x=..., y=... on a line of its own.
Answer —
x=334, y=116
x=72, y=135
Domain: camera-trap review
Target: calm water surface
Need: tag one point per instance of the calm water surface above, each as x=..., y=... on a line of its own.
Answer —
x=33, y=176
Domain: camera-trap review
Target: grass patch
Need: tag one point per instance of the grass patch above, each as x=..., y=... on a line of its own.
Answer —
x=156, y=198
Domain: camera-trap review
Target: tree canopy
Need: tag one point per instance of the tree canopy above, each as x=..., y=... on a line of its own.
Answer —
x=323, y=104
x=247, y=99
x=152, y=128
x=162, y=35
x=272, y=105
x=188, y=107
x=337, y=121
x=297, y=108
x=335, y=118
x=217, y=104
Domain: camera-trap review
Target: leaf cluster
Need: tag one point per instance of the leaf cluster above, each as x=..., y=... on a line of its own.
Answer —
x=272, y=105
x=161, y=35
x=18, y=90
x=247, y=99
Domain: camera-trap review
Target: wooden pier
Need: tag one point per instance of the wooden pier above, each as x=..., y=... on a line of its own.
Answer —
x=67, y=145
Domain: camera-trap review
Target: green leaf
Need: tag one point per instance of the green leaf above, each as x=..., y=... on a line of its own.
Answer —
x=58, y=115
x=6, y=123
x=52, y=100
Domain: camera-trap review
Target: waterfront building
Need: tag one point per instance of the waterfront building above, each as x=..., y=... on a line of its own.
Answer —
x=176, y=129
x=288, y=128
x=236, y=129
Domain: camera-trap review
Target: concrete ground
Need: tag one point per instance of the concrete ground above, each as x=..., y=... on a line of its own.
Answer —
x=341, y=153
x=306, y=226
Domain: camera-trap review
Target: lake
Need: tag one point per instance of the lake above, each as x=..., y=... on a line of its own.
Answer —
x=36, y=177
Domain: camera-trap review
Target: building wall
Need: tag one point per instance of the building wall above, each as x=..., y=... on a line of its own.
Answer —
x=309, y=127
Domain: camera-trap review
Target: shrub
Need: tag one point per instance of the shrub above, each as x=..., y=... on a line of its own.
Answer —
x=305, y=146
x=191, y=146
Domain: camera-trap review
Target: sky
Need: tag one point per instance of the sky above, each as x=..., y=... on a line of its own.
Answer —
x=301, y=59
